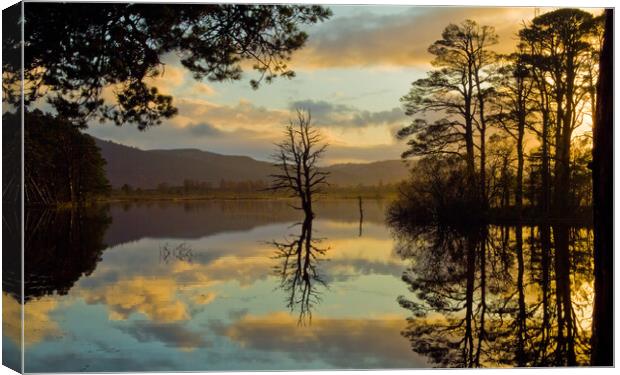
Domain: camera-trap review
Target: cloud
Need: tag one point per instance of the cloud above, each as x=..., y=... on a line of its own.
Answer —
x=39, y=327
x=171, y=335
x=156, y=299
x=170, y=78
x=354, y=154
x=398, y=39
x=204, y=129
x=203, y=88
x=393, y=116
x=341, y=115
x=244, y=128
x=319, y=108
x=343, y=343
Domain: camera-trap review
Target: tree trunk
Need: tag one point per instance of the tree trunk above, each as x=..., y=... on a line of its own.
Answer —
x=545, y=265
x=546, y=193
x=470, y=154
x=468, y=340
x=520, y=161
x=602, y=179
x=566, y=334
x=483, y=175
x=520, y=357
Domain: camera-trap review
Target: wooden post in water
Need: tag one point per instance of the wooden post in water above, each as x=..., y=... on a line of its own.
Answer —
x=359, y=199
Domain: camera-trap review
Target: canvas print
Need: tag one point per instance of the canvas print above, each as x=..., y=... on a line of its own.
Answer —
x=229, y=187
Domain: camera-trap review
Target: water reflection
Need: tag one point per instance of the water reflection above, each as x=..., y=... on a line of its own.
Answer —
x=498, y=296
x=167, y=286
x=298, y=270
x=184, y=287
x=60, y=247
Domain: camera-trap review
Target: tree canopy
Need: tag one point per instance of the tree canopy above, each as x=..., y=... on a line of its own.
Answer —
x=61, y=163
x=74, y=51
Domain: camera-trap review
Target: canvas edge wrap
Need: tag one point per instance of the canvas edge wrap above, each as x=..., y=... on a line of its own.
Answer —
x=12, y=194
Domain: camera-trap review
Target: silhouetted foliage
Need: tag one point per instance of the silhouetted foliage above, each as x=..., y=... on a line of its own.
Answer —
x=514, y=100
x=510, y=119
x=496, y=296
x=74, y=51
x=454, y=95
x=557, y=47
x=437, y=191
x=602, y=176
x=61, y=246
x=61, y=164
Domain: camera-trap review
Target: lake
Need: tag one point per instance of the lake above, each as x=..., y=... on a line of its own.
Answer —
x=250, y=285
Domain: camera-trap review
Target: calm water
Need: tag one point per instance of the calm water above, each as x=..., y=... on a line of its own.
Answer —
x=234, y=285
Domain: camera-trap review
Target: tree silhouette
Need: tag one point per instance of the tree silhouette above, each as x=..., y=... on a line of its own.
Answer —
x=73, y=51
x=456, y=92
x=297, y=158
x=514, y=99
x=298, y=271
x=536, y=96
x=558, y=53
x=496, y=296
x=60, y=247
x=602, y=176
x=68, y=170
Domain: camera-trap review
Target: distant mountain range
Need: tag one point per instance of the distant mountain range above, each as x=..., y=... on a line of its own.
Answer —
x=148, y=168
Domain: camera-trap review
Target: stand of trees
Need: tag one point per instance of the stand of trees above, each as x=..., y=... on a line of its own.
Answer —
x=61, y=163
x=496, y=137
x=502, y=127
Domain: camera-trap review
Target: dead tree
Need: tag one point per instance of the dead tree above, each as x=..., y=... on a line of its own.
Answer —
x=297, y=158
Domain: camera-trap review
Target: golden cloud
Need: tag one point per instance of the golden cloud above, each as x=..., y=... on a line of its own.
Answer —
x=38, y=323
x=399, y=39
x=343, y=342
x=153, y=297
x=170, y=78
x=203, y=88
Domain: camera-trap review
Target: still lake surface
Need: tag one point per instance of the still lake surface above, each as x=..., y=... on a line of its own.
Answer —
x=245, y=285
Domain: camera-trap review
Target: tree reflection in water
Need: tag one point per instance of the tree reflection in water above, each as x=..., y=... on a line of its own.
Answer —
x=298, y=257
x=60, y=247
x=498, y=296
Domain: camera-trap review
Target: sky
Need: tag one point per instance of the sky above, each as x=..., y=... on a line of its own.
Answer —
x=351, y=75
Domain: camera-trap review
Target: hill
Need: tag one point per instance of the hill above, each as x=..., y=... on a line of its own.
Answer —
x=147, y=168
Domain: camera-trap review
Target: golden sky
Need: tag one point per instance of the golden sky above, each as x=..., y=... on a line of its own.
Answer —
x=351, y=74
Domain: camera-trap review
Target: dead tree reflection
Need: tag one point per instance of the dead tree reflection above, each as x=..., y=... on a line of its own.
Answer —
x=299, y=258
x=498, y=296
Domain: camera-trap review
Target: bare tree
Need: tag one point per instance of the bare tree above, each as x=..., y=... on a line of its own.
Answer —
x=297, y=158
